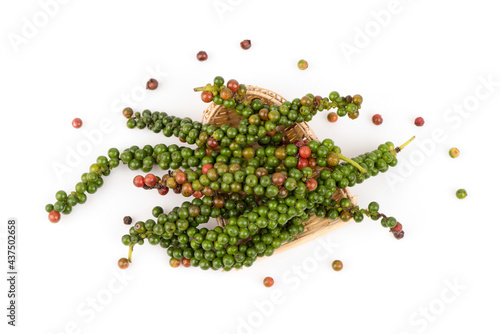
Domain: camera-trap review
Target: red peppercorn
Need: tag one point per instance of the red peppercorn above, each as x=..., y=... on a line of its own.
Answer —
x=186, y=262
x=311, y=184
x=312, y=162
x=123, y=263
x=152, y=84
x=180, y=177
x=150, y=180
x=163, y=191
x=299, y=143
x=397, y=228
x=202, y=56
x=419, y=121
x=233, y=85
x=377, y=119
x=77, y=123
x=246, y=44
x=54, y=216
x=207, y=97
x=302, y=163
x=226, y=93
x=206, y=168
x=332, y=117
x=211, y=142
x=139, y=181
x=268, y=282
x=305, y=152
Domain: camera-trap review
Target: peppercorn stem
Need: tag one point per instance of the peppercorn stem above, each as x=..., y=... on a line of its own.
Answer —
x=130, y=250
x=207, y=88
x=352, y=162
x=399, y=148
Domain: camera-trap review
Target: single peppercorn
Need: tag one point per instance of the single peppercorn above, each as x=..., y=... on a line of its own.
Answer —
x=127, y=220
x=54, y=216
x=246, y=44
x=268, y=282
x=77, y=123
x=202, y=56
x=123, y=263
x=149, y=180
x=337, y=265
x=332, y=117
x=397, y=228
x=207, y=97
x=399, y=235
x=186, y=262
x=461, y=193
x=454, y=152
x=302, y=64
x=419, y=121
x=152, y=84
x=139, y=181
x=174, y=263
x=377, y=119
x=128, y=112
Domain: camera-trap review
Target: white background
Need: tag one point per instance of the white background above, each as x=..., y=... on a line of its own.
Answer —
x=90, y=57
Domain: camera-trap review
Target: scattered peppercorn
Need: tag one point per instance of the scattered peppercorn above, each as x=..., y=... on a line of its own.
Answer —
x=454, y=152
x=202, y=56
x=268, y=282
x=332, y=117
x=419, y=121
x=337, y=265
x=377, y=119
x=77, y=123
x=302, y=64
x=461, y=193
x=152, y=84
x=127, y=220
x=246, y=44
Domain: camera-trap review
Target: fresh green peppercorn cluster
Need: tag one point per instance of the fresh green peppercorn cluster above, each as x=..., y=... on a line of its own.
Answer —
x=264, y=187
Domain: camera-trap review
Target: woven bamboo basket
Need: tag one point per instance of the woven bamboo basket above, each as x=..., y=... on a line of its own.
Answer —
x=314, y=227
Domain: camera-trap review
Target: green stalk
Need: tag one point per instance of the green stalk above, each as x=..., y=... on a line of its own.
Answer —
x=399, y=148
x=208, y=88
x=352, y=162
x=130, y=250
